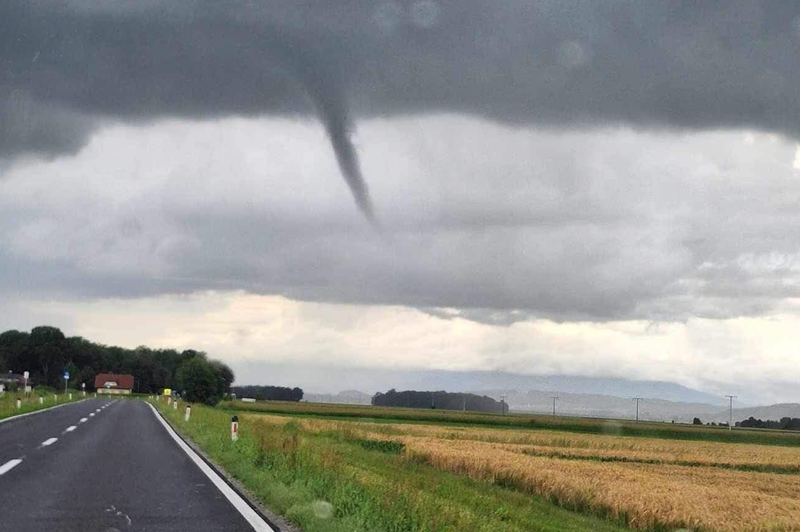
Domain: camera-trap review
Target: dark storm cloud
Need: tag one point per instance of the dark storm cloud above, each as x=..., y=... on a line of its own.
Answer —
x=671, y=64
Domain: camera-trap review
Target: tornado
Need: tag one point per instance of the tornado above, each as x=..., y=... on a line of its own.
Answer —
x=324, y=88
x=334, y=116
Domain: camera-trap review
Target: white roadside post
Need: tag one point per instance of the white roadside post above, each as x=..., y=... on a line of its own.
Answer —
x=55, y=398
x=83, y=388
x=19, y=403
x=70, y=397
x=41, y=400
x=169, y=400
x=235, y=428
x=175, y=405
x=188, y=413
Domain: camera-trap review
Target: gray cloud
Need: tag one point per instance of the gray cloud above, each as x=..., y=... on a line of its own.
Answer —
x=598, y=225
x=558, y=63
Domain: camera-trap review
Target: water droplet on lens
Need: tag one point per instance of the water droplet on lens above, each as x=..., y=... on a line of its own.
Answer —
x=322, y=509
x=425, y=13
x=387, y=16
x=572, y=54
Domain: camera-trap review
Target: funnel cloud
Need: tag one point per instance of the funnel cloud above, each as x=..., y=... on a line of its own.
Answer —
x=563, y=64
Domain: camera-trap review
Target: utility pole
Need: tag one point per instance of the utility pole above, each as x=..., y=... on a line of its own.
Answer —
x=464, y=406
x=730, y=411
x=637, y=407
x=554, y=398
x=433, y=400
x=503, y=402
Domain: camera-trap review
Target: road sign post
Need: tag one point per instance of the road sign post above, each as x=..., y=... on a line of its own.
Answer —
x=66, y=381
x=25, y=376
x=235, y=428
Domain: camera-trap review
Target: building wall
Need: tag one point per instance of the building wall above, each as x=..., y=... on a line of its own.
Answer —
x=113, y=391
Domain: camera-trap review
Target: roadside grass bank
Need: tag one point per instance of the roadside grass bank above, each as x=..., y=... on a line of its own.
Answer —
x=8, y=401
x=378, y=414
x=334, y=480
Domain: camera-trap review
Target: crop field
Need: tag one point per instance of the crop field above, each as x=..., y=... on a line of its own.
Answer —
x=521, y=421
x=640, y=482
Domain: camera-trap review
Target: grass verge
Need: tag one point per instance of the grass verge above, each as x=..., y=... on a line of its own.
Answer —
x=8, y=401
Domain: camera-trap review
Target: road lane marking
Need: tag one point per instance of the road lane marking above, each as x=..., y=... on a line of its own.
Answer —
x=49, y=441
x=97, y=410
x=250, y=515
x=70, y=428
x=8, y=466
x=91, y=415
x=84, y=419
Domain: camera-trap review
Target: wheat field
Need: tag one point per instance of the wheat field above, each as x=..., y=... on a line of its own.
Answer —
x=646, y=483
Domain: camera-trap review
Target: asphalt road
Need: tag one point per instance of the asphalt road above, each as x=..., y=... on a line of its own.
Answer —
x=104, y=465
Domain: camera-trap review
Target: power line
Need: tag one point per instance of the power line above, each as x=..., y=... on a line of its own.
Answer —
x=637, y=406
x=730, y=411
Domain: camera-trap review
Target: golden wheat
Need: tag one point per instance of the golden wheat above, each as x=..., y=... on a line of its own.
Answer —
x=661, y=490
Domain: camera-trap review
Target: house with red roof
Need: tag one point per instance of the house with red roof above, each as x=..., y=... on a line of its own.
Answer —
x=111, y=383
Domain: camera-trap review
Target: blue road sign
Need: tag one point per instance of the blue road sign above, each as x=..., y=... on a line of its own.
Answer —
x=66, y=375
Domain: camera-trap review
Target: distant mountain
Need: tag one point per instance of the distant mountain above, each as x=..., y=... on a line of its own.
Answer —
x=626, y=388
x=347, y=397
x=330, y=379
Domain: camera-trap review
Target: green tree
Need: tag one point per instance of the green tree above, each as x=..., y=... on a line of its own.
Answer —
x=197, y=379
x=47, y=344
x=223, y=375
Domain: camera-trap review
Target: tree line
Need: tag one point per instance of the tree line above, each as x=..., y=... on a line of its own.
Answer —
x=785, y=423
x=46, y=353
x=439, y=400
x=269, y=393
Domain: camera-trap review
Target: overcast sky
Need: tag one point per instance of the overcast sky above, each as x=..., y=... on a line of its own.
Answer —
x=599, y=188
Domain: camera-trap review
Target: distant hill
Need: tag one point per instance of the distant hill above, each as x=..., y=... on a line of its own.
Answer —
x=626, y=388
x=321, y=383
x=347, y=397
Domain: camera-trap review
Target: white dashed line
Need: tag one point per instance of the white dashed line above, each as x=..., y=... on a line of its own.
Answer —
x=84, y=419
x=8, y=466
x=97, y=410
x=70, y=429
x=49, y=441
x=91, y=415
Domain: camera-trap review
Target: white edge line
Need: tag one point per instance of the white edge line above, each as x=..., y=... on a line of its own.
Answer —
x=255, y=520
x=8, y=466
x=20, y=416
